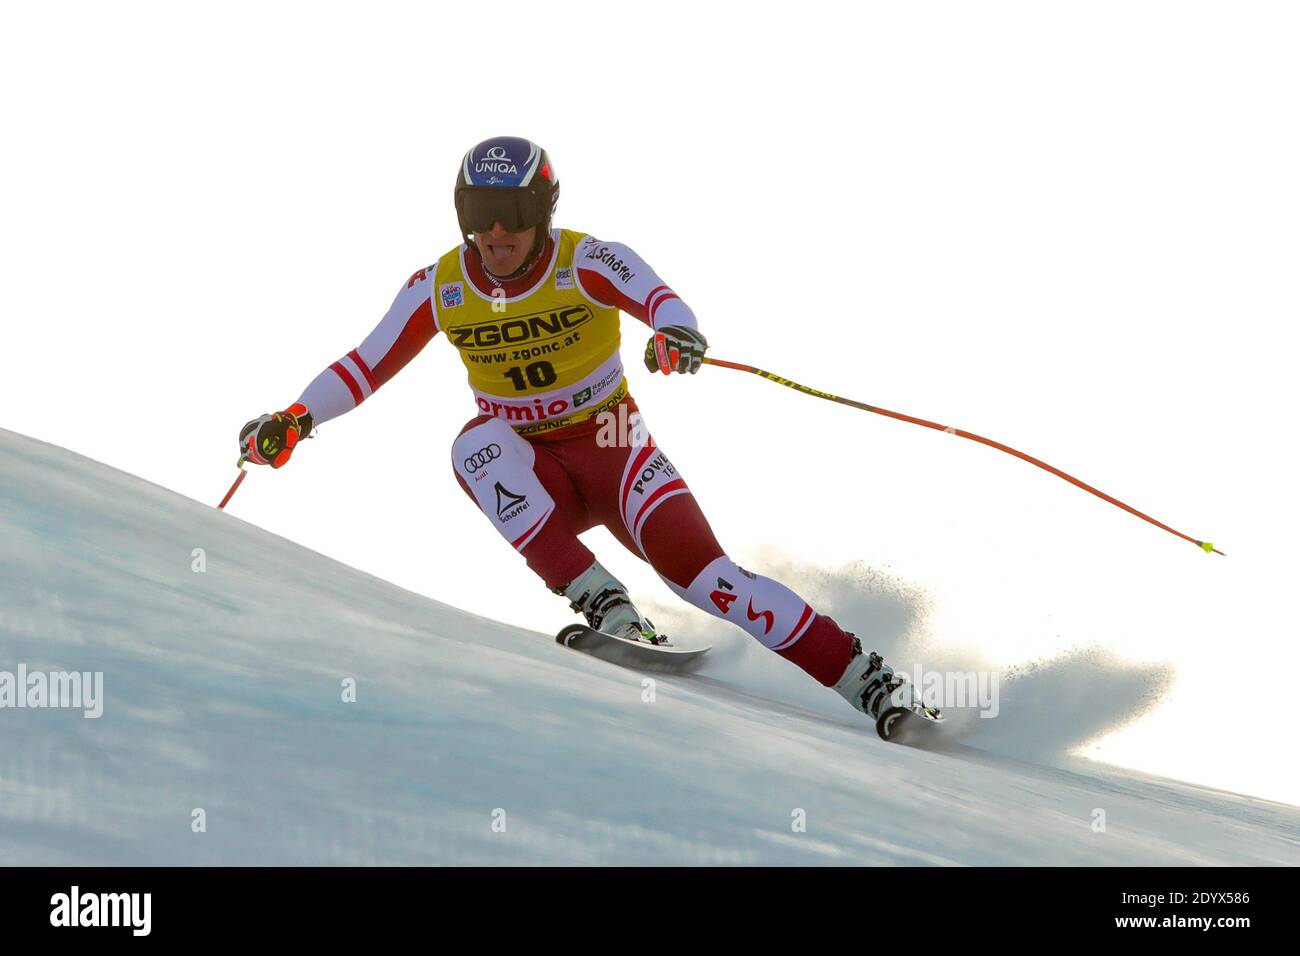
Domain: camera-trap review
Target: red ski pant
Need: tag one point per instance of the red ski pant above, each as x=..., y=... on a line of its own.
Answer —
x=541, y=491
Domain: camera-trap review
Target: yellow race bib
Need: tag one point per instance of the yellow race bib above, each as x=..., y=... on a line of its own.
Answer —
x=542, y=359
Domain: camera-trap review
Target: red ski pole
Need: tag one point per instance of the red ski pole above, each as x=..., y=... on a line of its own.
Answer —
x=1204, y=545
x=235, y=487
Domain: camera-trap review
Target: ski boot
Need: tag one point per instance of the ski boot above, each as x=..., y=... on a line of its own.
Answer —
x=871, y=686
x=603, y=601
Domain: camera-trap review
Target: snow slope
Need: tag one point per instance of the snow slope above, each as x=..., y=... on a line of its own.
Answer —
x=223, y=691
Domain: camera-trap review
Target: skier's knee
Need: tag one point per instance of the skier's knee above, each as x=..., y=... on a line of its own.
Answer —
x=476, y=421
x=496, y=468
x=484, y=440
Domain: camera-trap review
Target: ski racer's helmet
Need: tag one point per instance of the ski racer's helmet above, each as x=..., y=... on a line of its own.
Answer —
x=509, y=180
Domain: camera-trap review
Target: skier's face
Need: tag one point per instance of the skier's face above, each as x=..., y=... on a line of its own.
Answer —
x=504, y=252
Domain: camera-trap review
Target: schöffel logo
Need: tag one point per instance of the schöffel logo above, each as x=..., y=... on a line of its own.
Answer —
x=509, y=504
x=616, y=265
x=481, y=457
x=528, y=328
x=453, y=294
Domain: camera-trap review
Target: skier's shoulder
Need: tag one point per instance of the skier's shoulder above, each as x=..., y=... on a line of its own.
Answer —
x=451, y=264
x=420, y=281
x=574, y=238
x=592, y=247
x=416, y=289
x=427, y=274
x=419, y=285
x=613, y=259
x=612, y=273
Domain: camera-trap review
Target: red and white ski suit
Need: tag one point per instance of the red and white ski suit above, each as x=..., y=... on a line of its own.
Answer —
x=559, y=445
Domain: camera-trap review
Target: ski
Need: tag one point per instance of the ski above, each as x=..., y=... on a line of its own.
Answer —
x=899, y=724
x=896, y=724
x=640, y=655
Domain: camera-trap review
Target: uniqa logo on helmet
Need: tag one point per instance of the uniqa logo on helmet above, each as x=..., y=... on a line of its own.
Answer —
x=496, y=161
x=507, y=179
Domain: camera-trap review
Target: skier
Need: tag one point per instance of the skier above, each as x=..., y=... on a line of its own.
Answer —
x=558, y=445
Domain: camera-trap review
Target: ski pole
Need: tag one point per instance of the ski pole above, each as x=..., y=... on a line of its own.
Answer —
x=235, y=487
x=1204, y=545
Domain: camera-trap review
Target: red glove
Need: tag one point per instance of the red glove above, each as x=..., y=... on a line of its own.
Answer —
x=675, y=348
x=271, y=439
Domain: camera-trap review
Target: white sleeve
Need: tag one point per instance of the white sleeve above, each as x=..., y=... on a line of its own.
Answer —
x=611, y=274
x=407, y=327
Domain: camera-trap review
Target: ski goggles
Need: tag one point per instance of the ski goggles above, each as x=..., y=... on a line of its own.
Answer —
x=479, y=208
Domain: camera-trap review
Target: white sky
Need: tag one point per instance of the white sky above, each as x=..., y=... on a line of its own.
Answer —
x=1070, y=227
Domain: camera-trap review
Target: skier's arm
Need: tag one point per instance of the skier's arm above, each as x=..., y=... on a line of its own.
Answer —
x=611, y=274
x=405, y=329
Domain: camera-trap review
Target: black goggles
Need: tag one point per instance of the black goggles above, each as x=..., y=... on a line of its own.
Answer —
x=479, y=208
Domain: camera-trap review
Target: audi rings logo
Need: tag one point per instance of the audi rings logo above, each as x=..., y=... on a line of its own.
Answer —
x=496, y=152
x=481, y=457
